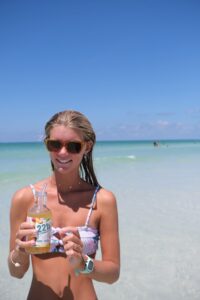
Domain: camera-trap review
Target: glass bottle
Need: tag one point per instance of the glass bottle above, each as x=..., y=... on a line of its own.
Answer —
x=41, y=216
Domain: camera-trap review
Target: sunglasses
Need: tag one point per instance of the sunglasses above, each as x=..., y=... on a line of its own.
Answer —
x=56, y=146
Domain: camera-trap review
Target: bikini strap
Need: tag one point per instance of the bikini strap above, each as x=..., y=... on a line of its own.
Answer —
x=33, y=190
x=92, y=206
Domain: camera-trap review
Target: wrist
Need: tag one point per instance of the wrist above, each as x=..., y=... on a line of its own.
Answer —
x=20, y=250
x=17, y=256
x=14, y=258
x=86, y=267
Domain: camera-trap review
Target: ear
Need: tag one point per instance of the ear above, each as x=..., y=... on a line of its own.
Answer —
x=89, y=146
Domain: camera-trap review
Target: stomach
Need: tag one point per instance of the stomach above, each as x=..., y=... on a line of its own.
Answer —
x=54, y=277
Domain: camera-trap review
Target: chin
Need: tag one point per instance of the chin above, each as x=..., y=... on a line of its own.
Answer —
x=62, y=170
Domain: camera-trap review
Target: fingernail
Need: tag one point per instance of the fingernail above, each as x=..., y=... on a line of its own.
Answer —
x=68, y=233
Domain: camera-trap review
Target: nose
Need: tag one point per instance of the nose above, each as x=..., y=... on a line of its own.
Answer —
x=63, y=150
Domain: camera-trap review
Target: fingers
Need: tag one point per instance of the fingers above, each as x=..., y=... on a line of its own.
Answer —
x=25, y=229
x=24, y=244
x=69, y=231
x=25, y=236
x=72, y=248
x=72, y=244
x=71, y=238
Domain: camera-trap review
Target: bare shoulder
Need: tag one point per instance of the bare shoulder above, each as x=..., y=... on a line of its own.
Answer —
x=106, y=198
x=107, y=206
x=24, y=197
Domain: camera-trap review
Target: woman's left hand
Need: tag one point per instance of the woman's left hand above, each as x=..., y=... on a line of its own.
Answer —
x=73, y=245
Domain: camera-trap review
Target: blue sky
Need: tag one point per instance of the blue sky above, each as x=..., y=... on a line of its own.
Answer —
x=132, y=67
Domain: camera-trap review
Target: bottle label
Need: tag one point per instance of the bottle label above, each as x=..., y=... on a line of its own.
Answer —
x=43, y=228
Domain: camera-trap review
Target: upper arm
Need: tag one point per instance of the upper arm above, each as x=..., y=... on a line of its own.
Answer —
x=18, y=211
x=109, y=229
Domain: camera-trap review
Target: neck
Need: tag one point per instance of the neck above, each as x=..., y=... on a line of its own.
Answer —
x=65, y=184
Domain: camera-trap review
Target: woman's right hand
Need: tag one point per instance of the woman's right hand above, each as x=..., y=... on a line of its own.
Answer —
x=25, y=236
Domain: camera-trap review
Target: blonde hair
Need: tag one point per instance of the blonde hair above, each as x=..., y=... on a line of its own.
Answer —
x=77, y=121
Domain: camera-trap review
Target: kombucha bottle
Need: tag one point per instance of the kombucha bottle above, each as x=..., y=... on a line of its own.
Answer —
x=41, y=216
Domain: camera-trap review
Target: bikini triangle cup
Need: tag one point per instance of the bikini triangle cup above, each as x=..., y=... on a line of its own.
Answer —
x=89, y=236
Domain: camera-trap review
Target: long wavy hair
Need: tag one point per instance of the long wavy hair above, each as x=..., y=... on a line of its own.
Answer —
x=76, y=120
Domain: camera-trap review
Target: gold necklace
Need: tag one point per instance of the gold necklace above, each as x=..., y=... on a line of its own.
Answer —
x=63, y=188
x=69, y=188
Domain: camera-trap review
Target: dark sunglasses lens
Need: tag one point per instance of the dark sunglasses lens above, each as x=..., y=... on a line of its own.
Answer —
x=53, y=145
x=74, y=147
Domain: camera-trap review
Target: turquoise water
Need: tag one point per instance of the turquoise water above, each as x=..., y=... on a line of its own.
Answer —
x=30, y=160
x=157, y=190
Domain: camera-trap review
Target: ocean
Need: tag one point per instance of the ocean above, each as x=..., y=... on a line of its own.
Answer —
x=158, y=196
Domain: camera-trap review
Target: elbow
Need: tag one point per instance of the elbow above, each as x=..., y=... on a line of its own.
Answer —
x=18, y=275
x=17, y=272
x=114, y=277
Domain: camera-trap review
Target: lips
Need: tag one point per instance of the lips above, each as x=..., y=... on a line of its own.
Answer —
x=63, y=161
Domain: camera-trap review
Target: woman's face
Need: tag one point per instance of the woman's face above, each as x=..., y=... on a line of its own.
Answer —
x=63, y=160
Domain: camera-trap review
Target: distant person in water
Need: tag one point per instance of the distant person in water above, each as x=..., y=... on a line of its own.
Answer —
x=82, y=213
x=156, y=143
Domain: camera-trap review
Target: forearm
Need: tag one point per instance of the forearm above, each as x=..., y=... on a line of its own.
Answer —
x=105, y=271
x=18, y=263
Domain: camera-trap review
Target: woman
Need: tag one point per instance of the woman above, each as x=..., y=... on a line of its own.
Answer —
x=82, y=212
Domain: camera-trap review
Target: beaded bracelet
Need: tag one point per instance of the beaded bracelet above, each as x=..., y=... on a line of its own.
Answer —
x=16, y=264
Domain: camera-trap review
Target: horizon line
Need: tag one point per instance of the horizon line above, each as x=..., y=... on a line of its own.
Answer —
x=116, y=140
